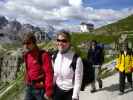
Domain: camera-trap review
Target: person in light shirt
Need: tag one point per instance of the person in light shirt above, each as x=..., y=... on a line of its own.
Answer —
x=67, y=81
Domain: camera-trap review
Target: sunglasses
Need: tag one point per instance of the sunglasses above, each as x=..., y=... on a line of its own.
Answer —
x=26, y=43
x=62, y=40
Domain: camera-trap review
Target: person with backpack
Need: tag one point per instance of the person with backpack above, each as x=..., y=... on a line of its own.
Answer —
x=68, y=69
x=39, y=73
x=95, y=58
x=124, y=64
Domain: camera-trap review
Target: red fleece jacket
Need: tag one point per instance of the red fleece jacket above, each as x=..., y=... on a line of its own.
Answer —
x=34, y=69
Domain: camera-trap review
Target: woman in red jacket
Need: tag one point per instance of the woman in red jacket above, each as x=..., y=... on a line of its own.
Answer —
x=39, y=75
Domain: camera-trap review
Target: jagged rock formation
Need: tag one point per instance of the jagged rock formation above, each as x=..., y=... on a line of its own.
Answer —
x=13, y=31
x=9, y=66
x=3, y=21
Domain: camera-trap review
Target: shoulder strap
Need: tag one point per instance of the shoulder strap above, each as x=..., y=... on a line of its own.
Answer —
x=73, y=65
x=54, y=55
x=74, y=61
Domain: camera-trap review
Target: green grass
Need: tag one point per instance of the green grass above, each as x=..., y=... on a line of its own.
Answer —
x=18, y=86
x=106, y=39
x=14, y=91
x=9, y=46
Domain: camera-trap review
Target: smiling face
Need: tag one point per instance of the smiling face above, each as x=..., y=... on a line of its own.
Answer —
x=29, y=42
x=63, y=43
x=125, y=46
x=28, y=45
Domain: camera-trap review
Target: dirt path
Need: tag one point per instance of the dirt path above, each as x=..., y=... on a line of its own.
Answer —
x=110, y=91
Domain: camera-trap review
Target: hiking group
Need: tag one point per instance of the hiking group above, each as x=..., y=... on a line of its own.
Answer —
x=62, y=75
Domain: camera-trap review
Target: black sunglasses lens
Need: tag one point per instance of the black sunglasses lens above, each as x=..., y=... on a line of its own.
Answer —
x=26, y=43
x=63, y=40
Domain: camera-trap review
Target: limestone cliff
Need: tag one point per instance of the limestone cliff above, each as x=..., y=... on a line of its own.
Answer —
x=10, y=65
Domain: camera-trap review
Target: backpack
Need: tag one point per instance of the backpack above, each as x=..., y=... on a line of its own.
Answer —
x=88, y=73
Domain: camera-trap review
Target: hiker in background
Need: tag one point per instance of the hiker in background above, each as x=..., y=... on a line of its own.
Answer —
x=39, y=75
x=124, y=66
x=95, y=58
x=67, y=75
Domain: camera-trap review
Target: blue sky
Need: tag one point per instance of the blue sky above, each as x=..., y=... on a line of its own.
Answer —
x=66, y=14
x=109, y=4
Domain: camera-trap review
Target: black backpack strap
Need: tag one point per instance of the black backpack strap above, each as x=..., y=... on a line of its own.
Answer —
x=74, y=61
x=54, y=56
x=73, y=65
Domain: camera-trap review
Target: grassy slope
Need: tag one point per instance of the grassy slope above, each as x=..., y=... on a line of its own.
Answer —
x=119, y=26
x=14, y=92
x=106, y=39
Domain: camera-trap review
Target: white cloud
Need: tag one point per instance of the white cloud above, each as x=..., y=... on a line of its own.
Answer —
x=40, y=4
x=56, y=12
x=75, y=2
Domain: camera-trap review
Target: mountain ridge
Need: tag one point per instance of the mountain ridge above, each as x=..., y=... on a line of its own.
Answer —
x=13, y=30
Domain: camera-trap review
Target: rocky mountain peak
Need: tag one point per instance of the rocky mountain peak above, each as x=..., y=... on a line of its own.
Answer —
x=3, y=21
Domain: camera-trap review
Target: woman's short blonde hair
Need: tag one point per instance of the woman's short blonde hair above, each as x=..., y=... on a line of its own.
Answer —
x=65, y=34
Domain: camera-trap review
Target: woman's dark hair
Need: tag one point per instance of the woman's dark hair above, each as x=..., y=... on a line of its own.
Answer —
x=94, y=41
x=29, y=37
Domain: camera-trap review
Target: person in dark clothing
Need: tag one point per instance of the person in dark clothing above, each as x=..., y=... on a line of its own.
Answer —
x=88, y=74
x=39, y=74
x=95, y=58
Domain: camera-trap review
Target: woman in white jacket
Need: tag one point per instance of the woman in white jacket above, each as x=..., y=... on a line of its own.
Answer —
x=67, y=81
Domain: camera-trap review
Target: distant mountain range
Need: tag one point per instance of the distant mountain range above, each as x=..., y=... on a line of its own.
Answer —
x=121, y=26
x=11, y=31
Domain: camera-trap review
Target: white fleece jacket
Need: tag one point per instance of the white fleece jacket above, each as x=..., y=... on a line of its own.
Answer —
x=63, y=74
